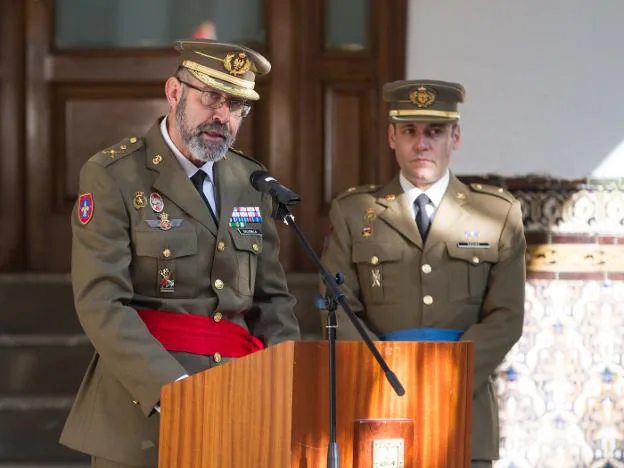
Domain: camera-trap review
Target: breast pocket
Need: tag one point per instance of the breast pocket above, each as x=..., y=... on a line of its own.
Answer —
x=379, y=270
x=247, y=250
x=166, y=264
x=468, y=271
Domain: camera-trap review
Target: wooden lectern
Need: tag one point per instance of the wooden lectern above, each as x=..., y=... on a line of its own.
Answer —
x=270, y=409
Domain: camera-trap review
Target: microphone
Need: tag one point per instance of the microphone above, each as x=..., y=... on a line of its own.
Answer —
x=263, y=182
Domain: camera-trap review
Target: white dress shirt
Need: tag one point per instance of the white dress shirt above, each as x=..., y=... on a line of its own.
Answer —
x=435, y=193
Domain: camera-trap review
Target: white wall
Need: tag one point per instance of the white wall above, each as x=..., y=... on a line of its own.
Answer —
x=544, y=81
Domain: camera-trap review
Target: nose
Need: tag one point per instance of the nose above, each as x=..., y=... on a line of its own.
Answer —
x=222, y=113
x=420, y=142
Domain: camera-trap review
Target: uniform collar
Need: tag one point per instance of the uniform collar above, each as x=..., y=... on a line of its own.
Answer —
x=189, y=168
x=435, y=192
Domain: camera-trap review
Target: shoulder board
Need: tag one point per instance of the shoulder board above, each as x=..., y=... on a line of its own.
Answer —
x=358, y=189
x=118, y=151
x=243, y=155
x=493, y=190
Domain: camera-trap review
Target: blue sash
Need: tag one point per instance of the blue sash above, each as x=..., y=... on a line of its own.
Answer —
x=423, y=334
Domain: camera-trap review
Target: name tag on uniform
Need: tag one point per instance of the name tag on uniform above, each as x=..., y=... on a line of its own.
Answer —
x=249, y=232
x=473, y=245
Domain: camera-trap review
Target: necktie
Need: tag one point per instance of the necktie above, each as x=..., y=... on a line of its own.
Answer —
x=423, y=221
x=198, y=181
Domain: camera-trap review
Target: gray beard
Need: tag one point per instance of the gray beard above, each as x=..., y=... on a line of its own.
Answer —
x=202, y=150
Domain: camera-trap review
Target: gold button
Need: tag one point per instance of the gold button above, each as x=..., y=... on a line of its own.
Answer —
x=478, y=186
x=220, y=246
x=255, y=248
x=136, y=402
x=500, y=190
x=123, y=147
x=166, y=253
x=374, y=260
x=217, y=316
x=351, y=189
x=391, y=197
x=133, y=139
x=428, y=300
x=475, y=259
x=157, y=159
x=426, y=268
x=218, y=284
x=217, y=357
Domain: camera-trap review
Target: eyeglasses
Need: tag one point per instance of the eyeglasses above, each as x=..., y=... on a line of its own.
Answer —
x=215, y=100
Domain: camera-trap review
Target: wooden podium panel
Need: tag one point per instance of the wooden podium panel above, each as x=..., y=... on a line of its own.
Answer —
x=270, y=409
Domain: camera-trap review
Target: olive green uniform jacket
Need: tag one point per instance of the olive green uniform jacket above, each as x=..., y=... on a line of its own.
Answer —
x=117, y=259
x=394, y=282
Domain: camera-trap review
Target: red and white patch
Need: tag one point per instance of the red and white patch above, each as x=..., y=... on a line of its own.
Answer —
x=156, y=202
x=85, y=208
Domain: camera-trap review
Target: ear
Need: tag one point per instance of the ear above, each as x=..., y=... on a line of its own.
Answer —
x=173, y=91
x=392, y=135
x=456, y=136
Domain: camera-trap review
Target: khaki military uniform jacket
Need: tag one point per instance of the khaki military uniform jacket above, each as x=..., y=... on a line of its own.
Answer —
x=117, y=260
x=394, y=282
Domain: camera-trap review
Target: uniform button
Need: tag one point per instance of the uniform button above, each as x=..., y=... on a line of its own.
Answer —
x=426, y=268
x=478, y=186
x=428, y=300
x=217, y=316
x=166, y=253
x=374, y=260
x=255, y=248
x=157, y=159
x=220, y=246
x=217, y=357
x=218, y=284
x=135, y=402
x=475, y=259
x=133, y=139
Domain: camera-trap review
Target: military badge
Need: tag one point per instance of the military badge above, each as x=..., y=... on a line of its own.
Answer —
x=423, y=97
x=472, y=241
x=390, y=197
x=166, y=281
x=243, y=215
x=85, y=208
x=156, y=202
x=367, y=231
x=370, y=215
x=376, y=277
x=139, y=200
x=156, y=223
x=237, y=64
x=164, y=224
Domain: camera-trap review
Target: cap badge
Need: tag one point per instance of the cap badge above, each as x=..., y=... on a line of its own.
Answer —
x=423, y=96
x=237, y=64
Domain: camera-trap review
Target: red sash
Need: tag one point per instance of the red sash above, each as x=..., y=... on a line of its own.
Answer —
x=199, y=335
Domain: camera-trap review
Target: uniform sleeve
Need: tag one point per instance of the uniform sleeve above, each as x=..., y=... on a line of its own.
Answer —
x=276, y=321
x=502, y=315
x=337, y=259
x=101, y=258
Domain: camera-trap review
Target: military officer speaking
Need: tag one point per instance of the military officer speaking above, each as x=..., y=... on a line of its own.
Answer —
x=427, y=257
x=175, y=257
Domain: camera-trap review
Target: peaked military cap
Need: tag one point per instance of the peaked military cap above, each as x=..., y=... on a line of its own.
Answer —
x=428, y=101
x=230, y=68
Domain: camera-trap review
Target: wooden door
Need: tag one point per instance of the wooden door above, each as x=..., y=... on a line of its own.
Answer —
x=12, y=205
x=319, y=127
x=82, y=98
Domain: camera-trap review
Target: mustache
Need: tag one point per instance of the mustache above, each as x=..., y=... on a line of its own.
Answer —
x=213, y=127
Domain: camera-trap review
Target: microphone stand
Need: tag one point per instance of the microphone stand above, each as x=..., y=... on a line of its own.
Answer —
x=333, y=297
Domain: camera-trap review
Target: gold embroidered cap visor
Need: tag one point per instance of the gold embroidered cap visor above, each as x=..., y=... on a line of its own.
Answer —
x=229, y=68
x=426, y=101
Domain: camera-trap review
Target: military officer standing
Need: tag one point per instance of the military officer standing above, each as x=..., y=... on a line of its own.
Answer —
x=175, y=257
x=427, y=257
